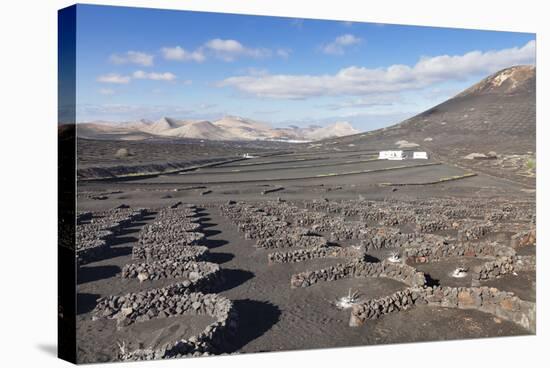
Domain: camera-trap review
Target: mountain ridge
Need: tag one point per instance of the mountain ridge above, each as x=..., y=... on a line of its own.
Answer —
x=228, y=128
x=494, y=118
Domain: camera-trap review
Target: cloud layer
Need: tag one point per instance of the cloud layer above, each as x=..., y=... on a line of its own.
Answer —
x=223, y=49
x=338, y=46
x=140, y=74
x=115, y=78
x=132, y=57
x=180, y=54
x=355, y=80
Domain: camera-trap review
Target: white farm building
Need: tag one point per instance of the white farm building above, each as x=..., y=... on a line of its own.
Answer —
x=391, y=155
x=420, y=155
x=402, y=155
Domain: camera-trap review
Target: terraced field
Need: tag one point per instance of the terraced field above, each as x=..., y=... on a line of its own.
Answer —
x=297, y=251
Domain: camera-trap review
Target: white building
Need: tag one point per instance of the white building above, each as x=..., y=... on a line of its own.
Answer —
x=391, y=155
x=420, y=155
x=402, y=155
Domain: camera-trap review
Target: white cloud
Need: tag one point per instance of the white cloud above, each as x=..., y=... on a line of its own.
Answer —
x=132, y=57
x=140, y=74
x=106, y=91
x=114, y=78
x=229, y=50
x=226, y=50
x=337, y=47
x=283, y=53
x=180, y=54
x=228, y=46
x=357, y=81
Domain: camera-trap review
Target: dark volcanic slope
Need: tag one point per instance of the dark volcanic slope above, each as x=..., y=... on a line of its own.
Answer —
x=99, y=159
x=498, y=114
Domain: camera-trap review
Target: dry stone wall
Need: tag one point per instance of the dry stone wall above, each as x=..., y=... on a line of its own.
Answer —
x=268, y=230
x=95, y=230
x=502, y=266
x=168, y=252
x=360, y=269
x=380, y=226
x=171, y=269
x=501, y=304
x=213, y=339
x=376, y=308
x=301, y=255
x=290, y=241
x=434, y=253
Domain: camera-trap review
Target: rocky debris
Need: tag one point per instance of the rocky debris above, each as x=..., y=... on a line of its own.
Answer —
x=474, y=231
x=431, y=226
x=480, y=156
x=525, y=263
x=406, y=144
x=524, y=239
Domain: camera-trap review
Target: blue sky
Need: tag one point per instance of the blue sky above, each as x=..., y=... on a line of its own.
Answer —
x=135, y=63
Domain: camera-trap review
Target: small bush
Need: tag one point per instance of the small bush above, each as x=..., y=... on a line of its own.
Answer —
x=531, y=163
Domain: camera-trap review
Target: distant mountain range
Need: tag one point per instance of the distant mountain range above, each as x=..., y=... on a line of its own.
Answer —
x=229, y=128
